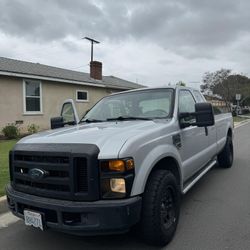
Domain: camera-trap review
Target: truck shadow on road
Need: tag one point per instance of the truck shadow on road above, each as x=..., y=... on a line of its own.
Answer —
x=62, y=241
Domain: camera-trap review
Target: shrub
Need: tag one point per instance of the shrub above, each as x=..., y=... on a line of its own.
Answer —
x=33, y=128
x=11, y=131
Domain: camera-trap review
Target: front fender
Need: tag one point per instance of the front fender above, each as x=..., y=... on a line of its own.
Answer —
x=147, y=164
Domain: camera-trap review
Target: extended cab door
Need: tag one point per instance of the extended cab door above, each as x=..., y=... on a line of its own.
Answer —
x=69, y=112
x=68, y=116
x=193, y=139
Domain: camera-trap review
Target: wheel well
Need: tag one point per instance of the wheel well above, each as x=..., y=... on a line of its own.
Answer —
x=229, y=133
x=170, y=164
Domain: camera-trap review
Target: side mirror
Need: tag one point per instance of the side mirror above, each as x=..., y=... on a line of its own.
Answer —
x=56, y=122
x=204, y=114
x=202, y=117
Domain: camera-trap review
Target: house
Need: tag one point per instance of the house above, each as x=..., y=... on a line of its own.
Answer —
x=215, y=101
x=32, y=93
x=220, y=106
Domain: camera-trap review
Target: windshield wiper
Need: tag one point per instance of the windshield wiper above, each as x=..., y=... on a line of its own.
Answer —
x=91, y=120
x=123, y=118
x=119, y=118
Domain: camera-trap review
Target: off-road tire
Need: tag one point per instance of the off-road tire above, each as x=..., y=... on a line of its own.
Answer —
x=226, y=156
x=160, y=208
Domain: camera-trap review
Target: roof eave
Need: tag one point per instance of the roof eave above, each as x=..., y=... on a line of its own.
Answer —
x=99, y=85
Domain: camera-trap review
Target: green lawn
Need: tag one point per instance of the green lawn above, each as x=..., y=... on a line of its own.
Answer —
x=5, y=147
x=239, y=119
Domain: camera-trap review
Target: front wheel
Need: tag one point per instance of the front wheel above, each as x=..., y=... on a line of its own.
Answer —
x=226, y=156
x=160, y=208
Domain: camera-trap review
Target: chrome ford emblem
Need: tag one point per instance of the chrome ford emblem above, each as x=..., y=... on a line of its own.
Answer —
x=37, y=174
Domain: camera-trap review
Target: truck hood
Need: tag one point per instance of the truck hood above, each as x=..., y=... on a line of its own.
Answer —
x=109, y=137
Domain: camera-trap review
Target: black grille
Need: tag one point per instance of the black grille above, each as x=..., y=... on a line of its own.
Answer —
x=57, y=172
x=62, y=188
x=41, y=159
x=70, y=174
x=81, y=174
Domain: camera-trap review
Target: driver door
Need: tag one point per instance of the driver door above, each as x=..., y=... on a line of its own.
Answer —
x=194, y=140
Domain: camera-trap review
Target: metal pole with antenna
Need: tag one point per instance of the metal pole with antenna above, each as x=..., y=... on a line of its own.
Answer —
x=92, y=43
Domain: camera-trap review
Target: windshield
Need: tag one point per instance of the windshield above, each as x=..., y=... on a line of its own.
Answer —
x=145, y=104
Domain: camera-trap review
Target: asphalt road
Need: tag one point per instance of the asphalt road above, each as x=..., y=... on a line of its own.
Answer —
x=215, y=214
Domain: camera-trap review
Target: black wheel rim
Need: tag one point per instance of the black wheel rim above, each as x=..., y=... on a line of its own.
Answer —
x=168, y=215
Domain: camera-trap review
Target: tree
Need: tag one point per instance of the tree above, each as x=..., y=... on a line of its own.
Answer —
x=216, y=83
x=240, y=84
x=226, y=85
x=245, y=101
x=181, y=83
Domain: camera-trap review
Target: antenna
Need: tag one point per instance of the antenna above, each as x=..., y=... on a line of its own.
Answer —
x=92, y=43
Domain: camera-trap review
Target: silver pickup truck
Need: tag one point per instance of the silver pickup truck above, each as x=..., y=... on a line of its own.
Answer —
x=125, y=164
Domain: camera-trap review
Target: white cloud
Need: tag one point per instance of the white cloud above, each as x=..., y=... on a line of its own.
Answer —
x=151, y=42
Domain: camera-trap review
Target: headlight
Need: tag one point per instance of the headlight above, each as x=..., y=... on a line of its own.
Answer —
x=116, y=178
x=118, y=185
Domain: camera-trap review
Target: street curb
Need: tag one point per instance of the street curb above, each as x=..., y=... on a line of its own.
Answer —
x=3, y=205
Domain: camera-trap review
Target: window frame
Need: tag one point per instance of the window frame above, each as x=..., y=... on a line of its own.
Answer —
x=172, y=107
x=25, y=112
x=79, y=100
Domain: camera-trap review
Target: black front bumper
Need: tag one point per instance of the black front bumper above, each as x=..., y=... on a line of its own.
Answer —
x=83, y=218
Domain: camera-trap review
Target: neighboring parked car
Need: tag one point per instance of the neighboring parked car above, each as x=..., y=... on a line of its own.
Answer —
x=124, y=164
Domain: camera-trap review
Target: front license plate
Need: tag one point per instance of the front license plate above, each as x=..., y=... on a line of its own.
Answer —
x=33, y=219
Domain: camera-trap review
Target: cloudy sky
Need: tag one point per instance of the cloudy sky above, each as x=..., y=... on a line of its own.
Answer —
x=153, y=42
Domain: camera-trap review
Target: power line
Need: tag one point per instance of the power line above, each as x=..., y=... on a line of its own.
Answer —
x=43, y=50
x=80, y=67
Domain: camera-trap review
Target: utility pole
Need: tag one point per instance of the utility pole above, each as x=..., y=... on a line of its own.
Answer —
x=92, y=45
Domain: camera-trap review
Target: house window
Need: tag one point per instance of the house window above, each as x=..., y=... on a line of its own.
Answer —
x=32, y=97
x=82, y=96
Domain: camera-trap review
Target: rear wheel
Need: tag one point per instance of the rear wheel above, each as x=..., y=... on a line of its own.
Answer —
x=160, y=208
x=226, y=156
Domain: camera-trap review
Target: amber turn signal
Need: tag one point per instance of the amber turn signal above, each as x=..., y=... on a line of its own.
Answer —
x=130, y=164
x=117, y=165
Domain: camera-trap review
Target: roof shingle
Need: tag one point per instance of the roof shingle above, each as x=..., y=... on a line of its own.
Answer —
x=37, y=69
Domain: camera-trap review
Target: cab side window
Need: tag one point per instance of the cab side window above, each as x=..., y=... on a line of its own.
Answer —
x=186, y=101
x=186, y=104
x=198, y=96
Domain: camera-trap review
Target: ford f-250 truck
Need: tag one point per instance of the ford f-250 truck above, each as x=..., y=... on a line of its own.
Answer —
x=126, y=163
